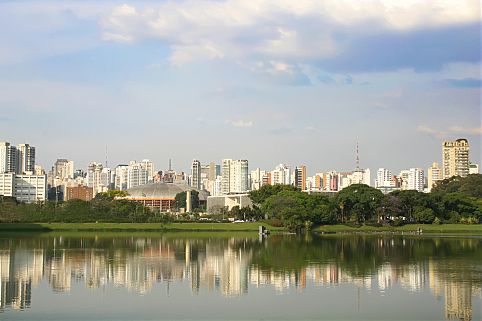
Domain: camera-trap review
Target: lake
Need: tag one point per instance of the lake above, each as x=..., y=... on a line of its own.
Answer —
x=202, y=276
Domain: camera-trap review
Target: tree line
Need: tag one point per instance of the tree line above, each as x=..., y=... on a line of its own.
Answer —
x=454, y=200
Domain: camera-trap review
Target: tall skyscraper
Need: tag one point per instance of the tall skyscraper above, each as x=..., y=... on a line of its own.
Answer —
x=8, y=158
x=434, y=174
x=300, y=177
x=234, y=176
x=455, y=158
x=26, y=158
x=196, y=174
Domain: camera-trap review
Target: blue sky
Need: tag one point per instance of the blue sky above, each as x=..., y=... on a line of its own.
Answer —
x=273, y=81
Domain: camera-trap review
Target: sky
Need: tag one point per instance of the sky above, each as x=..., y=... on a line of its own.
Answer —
x=271, y=81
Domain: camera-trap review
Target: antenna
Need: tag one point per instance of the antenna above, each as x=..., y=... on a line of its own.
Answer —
x=357, y=158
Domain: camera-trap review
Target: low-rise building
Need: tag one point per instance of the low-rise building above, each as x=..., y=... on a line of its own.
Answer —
x=25, y=188
x=217, y=204
x=79, y=192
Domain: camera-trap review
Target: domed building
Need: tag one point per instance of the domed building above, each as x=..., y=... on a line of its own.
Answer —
x=162, y=195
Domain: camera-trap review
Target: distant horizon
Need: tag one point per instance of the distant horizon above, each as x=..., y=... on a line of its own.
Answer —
x=310, y=171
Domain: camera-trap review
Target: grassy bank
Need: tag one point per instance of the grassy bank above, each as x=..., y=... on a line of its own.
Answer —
x=426, y=228
x=201, y=227
x=231, y=227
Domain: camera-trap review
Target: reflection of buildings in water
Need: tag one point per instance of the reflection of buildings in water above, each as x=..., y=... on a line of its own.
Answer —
x=19, y=271
x=458, y=301
x=224, y=266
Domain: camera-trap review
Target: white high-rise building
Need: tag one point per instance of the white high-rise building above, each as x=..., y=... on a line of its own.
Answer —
x=26, y=158
x=384, y=178
x=416, y=179
x=64, y=169
x=281, y=175
x=121, y=177
x=434, y=174
x=196, y=174
x=257, y=178
x=235, y=177
x=94, y=175
x=140, y=173
x=8, y=158
x=455, y=158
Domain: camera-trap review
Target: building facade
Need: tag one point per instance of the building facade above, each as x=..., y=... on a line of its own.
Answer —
x=234, y=176
x=8, y=158
x=434, y=175
x=25, y=188
x=455, y=158
x=79, y=192
x=300, y=177
x=196, y=174
x=25, y=159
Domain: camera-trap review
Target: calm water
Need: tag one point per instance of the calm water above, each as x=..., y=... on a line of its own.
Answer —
x=200, y=277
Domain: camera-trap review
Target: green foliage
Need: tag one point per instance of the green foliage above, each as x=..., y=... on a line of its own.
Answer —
x=424, y=215
x=470, y=186
x=259, y=196
x=358, y=203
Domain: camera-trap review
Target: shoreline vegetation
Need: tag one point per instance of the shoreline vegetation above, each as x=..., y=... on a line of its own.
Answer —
x=454, y=205
x=475, y=229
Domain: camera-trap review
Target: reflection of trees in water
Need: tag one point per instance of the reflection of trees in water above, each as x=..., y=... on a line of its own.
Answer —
x=449, y=267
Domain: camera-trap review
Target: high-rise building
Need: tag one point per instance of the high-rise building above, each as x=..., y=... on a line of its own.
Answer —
x=94, y=175
x=8, y=158
x=416, y=179
x=281, y=175
x=64, y=169
x=455, y=158
x=234, y=176
x=25, y=159
x=300, y=177
x=121, y=177
x=384, y=178
x=196, y=174
x=434, y=174
x=257, y=178
x=140, y=173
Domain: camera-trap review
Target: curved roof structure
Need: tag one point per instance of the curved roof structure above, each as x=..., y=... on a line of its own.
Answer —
x=162, y=191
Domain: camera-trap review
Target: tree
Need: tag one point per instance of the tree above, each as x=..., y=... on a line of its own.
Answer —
x=424, y=215
x=359, y=202
x=470, y=185
x=259, y=196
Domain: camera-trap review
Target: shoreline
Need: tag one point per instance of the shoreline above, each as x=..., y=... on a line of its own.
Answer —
x=464, y=229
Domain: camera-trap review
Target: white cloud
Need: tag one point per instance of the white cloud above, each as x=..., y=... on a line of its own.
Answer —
x=240, y=123
x=235, y=29
x=452, y=130
x=466, y=130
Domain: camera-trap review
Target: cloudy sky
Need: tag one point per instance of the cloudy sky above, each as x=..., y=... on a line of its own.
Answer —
x=272, y=81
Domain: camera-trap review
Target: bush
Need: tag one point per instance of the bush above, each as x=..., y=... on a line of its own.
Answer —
x=398, y=222
x=274, y=222
x=437, y=221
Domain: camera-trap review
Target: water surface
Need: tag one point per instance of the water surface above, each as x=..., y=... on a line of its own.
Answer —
x=199, y=276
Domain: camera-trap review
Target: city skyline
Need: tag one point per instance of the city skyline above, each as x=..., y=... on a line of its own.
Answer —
x=296, y=82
